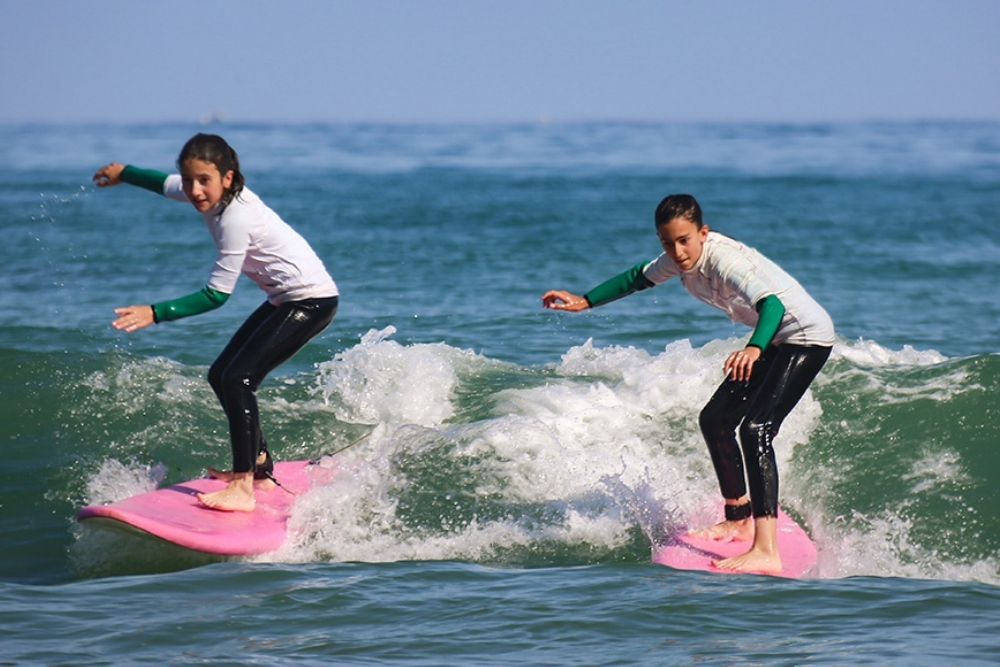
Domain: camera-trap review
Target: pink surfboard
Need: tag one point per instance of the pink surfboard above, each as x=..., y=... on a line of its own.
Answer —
x=176, y=515
x=798, y=553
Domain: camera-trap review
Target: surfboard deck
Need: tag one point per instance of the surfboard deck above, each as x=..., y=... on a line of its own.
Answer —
x=176, y=515
x=684, y=552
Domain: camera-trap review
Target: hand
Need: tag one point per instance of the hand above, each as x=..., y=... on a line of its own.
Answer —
x=131, y=318
x=108, y=175
x=560, y=300
x=740, y=363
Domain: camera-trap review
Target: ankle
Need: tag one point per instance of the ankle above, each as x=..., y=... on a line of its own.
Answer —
x=738, y=513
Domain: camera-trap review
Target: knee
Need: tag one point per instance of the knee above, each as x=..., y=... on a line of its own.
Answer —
x=756, y=432
x=708, y=420
x=713, y=421
x=215, y=378
x=227, y=381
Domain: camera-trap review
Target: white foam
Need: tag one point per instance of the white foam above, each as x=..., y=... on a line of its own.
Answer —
x=881, y=545
x=935, y=470
x=870, y=354
x=139, y=385
x=116, y=481
x=893, y=375
x=577, y=454
x=380, y=381
x=608, y=438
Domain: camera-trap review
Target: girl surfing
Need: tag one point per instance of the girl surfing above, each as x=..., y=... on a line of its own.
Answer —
x=250, y=239
x=791, y=340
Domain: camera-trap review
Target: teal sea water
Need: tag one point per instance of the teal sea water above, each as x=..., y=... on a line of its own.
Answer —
x=506, y=467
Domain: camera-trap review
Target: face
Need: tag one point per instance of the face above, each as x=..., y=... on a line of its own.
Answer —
x=682, y=240
x=203, y=184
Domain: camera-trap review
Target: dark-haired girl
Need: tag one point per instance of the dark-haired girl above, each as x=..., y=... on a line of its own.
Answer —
x=791, y=341
x=251, y=239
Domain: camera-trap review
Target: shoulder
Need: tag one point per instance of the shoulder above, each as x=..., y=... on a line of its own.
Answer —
x=729, y=259
x=173, y=188
x=723, y=246
x=721, y=241
x=660, y=269
x=246, y=203
x=246, y=198
x=719, y=248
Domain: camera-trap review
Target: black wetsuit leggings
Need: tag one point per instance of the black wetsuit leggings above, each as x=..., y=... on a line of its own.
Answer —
x=757, y=406
x=269, y=337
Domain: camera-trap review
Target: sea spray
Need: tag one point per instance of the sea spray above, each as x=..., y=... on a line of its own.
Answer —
x=598, y=441
x=453, y=455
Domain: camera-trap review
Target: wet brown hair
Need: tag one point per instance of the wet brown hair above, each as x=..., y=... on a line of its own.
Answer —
x=213, y=149
x=678, y=206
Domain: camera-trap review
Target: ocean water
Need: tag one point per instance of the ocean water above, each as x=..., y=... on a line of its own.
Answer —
x=503, y=469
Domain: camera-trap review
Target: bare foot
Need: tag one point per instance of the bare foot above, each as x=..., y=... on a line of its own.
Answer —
x=227, y=476
x=763, y=555
x=236, y=497
x=755, y=560
x=727, y=531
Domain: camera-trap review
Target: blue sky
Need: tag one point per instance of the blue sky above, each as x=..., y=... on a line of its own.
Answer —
x=508, y=61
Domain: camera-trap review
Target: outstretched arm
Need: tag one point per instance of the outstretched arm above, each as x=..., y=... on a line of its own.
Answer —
x=117, y=173
x=131, y=318
x=621, y=285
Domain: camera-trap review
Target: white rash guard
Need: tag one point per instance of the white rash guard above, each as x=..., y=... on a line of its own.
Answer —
x=733, y=277
x=253, y=239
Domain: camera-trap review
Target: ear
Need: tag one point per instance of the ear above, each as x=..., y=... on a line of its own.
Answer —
x=703, y=233
x=227, y=180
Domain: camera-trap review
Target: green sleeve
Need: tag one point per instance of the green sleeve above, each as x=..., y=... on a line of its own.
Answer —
x=770, y=310
x=145, y=178
x=202, y=301
x=621, y=285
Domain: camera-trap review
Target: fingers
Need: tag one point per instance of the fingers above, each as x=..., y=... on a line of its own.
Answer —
x=131, y=318
x=553, y=299
x=739, y=364
x=108, y=175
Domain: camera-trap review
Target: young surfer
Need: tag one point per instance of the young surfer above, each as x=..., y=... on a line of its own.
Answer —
x=251, y=239
x=791, y=341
